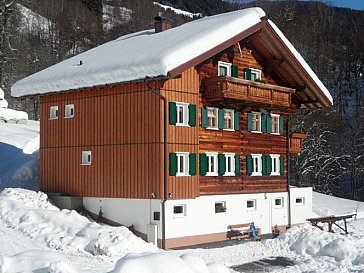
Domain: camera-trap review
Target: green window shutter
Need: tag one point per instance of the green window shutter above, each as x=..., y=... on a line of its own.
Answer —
x=172, y=113
x=234, y=71
x=192, y=164
x=281, y=165
x=268, y=165
x=281, y=124
x=222, y=164
x=263, y=120
x=236, y=121
x=249, y=165
x=221, y=124
x=204, y=119
x=172, y=164
x=250, y=122
x=265, y=164
x=269, y=124
x=248, y=74
x=203, y=164
x=237, y=165
x=192, y=115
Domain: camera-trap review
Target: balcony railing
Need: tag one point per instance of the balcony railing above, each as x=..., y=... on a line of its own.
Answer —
x=220, y=88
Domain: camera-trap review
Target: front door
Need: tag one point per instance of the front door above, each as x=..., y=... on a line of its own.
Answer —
x=265, y=216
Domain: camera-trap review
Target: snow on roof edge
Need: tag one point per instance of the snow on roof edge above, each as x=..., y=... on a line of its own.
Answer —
x=302, y=61
x=201, y=36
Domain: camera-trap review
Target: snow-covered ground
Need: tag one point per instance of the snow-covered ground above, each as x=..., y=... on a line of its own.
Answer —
x=37, y=237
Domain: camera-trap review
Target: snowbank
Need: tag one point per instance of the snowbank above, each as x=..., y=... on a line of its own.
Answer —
x=31, y=213
x=3, y=103
x=309, y=242
x=39, y=261
x=164, y=262
x=10, y=114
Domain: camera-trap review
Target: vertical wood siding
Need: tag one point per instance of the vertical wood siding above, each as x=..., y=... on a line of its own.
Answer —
x=181, y=138
x=121, y=126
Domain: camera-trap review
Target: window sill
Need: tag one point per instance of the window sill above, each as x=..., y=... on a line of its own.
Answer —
x=212, y=174
x=85, y=164
x=256, y=132
x=275, y=134
x=222, y=212
x=229, y=130
x=275, y=174
x=179, y=216
x=251, y=209
x=182, y=125
x=278, y=207
x=229, y=174
x=182, y=174
x=212, y=128
x=256, y=174
x=68, y=117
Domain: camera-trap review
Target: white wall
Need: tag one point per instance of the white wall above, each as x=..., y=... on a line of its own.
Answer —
x=201, y=217
x=299, y=213
x=138, y=212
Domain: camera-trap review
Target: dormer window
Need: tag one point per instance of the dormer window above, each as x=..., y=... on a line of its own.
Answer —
x=224, y=69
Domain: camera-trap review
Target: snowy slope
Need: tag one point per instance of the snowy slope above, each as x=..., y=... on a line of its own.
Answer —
x=19, y=156
x=114, y=15
x=178, y=11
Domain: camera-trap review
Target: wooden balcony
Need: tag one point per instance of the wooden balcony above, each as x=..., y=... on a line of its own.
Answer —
x=222, y=88
x=295, y=142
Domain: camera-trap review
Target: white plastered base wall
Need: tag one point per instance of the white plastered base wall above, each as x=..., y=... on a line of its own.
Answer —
x=199, y=215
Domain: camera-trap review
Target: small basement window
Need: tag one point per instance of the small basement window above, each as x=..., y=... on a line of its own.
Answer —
x=251, y=205
x=220, y=207
x=53, y=112
x=69, y=111
x=278, y=202
x=300, y=201
x=224, y=69
x=179, y=210
x=86, y=158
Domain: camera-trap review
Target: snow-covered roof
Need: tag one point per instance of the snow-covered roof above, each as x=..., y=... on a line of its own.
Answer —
x=139, y=55
x=147, y=54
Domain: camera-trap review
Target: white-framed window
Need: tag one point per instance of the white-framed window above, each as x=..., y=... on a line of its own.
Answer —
x=182, y=114
x=212, y=117
x=180, y=210
x=69, y=111
x=86, y=158
x=300, y=201
x=220, y=207
x=256, y=122
x=256, y=74
x=278, y=202
x=275, y=123
x=212, y=164
x=275, y=165
x=228, y=119
x=53, y=112
x=182, y=164
x=224, y=69
x=251, y=204
x=257, y=164
x=229, y=164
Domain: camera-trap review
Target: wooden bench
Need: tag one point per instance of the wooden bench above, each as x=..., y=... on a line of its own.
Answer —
x=239, y=231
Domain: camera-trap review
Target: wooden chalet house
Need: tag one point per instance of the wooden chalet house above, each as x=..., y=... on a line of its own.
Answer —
x=179, y=132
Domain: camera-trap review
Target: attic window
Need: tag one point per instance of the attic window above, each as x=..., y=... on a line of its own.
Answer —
x=224, y=69
x=252, y=74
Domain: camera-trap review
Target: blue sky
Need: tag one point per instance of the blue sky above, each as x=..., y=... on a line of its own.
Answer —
x=353, y=4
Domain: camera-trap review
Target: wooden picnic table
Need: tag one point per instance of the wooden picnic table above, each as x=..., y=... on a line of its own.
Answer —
x=331, y=220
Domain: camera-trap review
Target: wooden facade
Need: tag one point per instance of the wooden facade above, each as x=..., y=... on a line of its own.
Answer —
x=123, y=127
